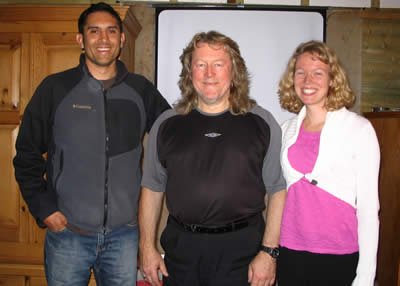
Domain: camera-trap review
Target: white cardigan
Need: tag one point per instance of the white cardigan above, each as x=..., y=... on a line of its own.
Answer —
x=348, y=168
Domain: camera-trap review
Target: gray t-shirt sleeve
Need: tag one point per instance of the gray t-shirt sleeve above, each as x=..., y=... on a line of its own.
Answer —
x=272, y=170
x=154, y=174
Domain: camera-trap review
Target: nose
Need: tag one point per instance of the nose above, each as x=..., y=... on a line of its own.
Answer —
x=307, y=78
x=103, y=36
x=210, y=70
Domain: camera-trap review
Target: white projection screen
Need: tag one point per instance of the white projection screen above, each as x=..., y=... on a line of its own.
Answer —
x=267, y=38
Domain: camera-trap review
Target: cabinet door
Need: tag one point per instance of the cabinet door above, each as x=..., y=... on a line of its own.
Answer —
x=387, y=127
x=38, y=281
x=14, y=225
x=10, y=204
x=27, y=58
x=10, y=72
x=8, y=280
x=50, y=53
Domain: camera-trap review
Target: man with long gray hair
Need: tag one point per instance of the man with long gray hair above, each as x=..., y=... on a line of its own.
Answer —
x=216, y=157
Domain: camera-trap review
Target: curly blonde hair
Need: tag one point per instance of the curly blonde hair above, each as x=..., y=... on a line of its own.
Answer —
x=339, y=95
x=240, y=102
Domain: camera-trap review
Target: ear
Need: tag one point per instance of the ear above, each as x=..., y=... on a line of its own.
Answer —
x=122, y=39
x=79, y=40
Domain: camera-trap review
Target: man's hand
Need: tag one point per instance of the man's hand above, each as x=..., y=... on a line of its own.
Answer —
x=150, y=262
x=262, y=270
x=56, y=221
x=149, y=213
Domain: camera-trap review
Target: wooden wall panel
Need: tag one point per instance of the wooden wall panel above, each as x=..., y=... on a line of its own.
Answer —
x=54, y=13
x=41, y=281
x=10, y=61
x=6, y=280
x=26, y=86
x=5, y=75
x=38, y=60
x=380, y=60
x=387, y=127
x=61, y=58
x=37, y=281
x=343, y=34
x=9, y=204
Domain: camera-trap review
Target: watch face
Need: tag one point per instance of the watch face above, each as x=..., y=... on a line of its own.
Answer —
x=275, y=252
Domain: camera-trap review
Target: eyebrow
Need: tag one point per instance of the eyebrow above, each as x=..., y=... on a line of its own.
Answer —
x=204, y=60
x=98, y=27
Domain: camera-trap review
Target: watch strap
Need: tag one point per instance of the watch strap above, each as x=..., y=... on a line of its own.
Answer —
x=273, y=251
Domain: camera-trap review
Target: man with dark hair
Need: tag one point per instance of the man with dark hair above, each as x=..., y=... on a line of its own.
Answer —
x=99, y=7
x=90, y=121
x=216, y=157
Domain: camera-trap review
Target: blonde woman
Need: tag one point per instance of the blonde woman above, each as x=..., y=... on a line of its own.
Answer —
x=330, y=159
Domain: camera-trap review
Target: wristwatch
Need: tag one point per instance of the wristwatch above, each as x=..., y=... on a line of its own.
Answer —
x=274, y=252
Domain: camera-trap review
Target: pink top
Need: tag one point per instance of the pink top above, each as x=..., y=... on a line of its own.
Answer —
x=314, y=220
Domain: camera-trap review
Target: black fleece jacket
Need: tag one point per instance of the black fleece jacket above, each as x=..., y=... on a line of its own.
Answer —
x=92, y=137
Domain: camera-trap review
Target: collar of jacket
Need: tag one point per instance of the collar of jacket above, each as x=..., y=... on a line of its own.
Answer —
x=122, y=72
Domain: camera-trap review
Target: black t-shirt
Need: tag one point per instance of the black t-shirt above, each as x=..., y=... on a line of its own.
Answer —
x=214, y=165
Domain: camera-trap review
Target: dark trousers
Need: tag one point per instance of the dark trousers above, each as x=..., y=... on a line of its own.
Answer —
x=200, y=259
x=302, y=268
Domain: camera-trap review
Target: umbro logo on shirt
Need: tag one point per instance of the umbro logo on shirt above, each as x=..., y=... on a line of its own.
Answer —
x=80, y=106
x=212, y=134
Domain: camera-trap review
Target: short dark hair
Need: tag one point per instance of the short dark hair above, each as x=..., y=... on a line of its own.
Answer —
x=98, y=7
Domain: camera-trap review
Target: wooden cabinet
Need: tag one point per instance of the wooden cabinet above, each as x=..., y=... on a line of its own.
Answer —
x=41, y=281
x=6, y=280
x=35, y=41
x=387, y=127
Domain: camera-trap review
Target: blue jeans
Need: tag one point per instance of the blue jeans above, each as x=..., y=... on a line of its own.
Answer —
x=70, y=256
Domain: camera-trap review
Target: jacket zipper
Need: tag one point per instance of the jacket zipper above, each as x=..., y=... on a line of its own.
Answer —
x=106, y=163
x=60, y=169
